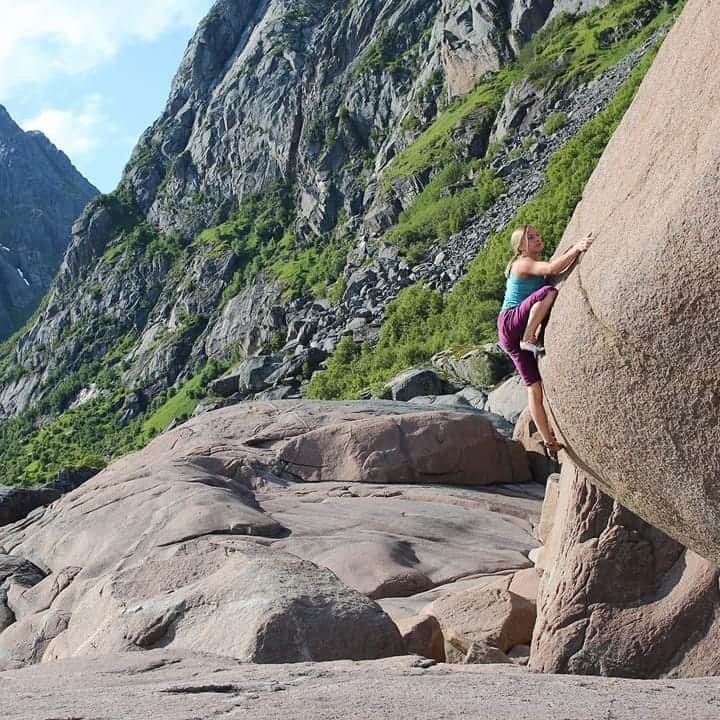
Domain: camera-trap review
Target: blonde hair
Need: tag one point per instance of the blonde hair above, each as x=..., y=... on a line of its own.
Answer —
x=518, y=242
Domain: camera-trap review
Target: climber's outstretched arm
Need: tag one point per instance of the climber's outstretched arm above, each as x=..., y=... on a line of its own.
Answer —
x=526, y=266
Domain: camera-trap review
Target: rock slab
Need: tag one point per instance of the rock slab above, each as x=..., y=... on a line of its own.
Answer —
x=176, y=686
x=414, y=448
x=202, y=541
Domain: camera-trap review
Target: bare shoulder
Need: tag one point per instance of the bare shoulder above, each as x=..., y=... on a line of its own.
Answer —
x=522, y=267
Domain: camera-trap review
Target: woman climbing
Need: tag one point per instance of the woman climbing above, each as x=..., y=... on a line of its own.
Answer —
x=528, y=299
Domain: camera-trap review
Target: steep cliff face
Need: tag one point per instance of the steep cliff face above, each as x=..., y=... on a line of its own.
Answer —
x=304, y=93
x=41, y=194
x=276, y=90
x=312, y=91
x=479, y=36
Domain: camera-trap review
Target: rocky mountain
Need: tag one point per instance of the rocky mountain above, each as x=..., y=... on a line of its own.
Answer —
x=41, y=195
x=309, y=91
x=314, y=158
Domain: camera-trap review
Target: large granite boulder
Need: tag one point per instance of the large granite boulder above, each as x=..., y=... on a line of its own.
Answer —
x=414, y=448
x=226, y=596
x=619, y=597
x=508, y=399
x=248, y=377
x=632, y=372
x=422, y=635
x=480, y=618
x=480, y=367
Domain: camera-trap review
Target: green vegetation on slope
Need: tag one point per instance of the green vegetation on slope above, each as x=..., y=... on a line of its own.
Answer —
x=39, y=442
x=421, y=322
x=434, y=148
x=444, y=206
x=78, y=438
x=575, y=50
x=568, y=50
x=35, y=449
x=260, y=234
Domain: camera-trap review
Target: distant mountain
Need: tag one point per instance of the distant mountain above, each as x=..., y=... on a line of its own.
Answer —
x=41, y=195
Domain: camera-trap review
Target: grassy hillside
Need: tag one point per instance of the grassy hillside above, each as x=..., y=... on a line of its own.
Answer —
x=567, y=51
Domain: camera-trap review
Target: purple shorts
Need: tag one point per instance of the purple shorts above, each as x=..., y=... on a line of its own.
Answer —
x=511, y=325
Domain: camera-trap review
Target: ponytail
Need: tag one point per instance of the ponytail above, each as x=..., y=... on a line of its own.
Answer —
x=508, y=267
x=517, y=240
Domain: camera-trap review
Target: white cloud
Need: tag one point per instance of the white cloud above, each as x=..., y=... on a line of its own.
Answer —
x=45, y=39
x=79, y=130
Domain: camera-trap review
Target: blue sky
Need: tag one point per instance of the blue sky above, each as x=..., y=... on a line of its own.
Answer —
x=92, y=74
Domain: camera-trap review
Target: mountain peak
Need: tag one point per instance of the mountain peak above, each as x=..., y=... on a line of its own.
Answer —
x=8, y=127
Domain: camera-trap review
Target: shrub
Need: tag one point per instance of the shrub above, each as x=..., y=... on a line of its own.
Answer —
x=554, y=122
x=444, y=207
x=260, y=234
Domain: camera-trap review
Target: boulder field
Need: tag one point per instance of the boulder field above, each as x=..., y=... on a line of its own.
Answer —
x=293, y=516
x=632, y=373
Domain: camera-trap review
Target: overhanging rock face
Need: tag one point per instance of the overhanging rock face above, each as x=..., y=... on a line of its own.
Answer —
x=618, y=596
x=632, y=372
